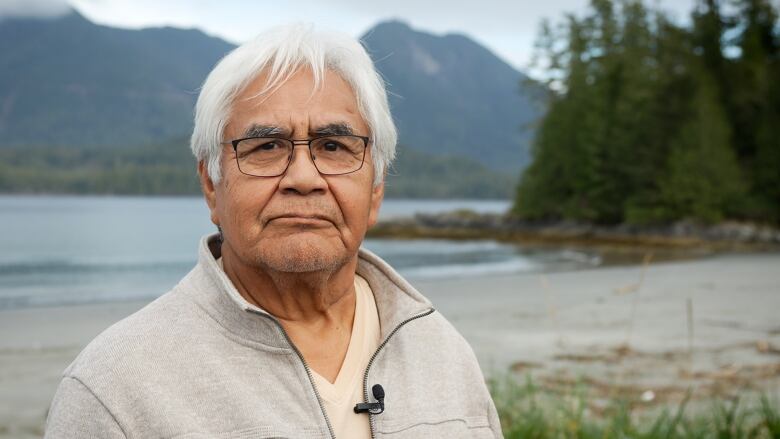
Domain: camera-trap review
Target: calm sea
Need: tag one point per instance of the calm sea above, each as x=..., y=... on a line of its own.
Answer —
x=71, y=250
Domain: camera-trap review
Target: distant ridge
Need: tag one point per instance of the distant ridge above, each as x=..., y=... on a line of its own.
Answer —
x=451, y=95
x=69, y=81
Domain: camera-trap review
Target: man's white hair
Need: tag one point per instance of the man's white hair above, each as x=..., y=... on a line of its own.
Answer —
x=281, y=51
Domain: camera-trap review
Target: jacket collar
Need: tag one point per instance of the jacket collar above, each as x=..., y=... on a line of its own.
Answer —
x=212, y=290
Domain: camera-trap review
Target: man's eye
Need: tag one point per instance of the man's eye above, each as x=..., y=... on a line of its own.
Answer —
x=259, y=147
x=268, y=146
x=332, y=146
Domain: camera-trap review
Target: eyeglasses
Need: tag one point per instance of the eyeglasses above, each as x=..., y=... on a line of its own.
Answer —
x=271, y=156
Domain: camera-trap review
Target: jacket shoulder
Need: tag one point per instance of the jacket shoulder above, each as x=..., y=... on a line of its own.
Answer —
x=448, y=337
x=129, y=343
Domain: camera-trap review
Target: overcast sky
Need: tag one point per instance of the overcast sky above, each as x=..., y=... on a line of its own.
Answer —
x=507, y=27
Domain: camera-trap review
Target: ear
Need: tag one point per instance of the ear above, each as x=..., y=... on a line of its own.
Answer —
x=209, y=191
x=377, y=194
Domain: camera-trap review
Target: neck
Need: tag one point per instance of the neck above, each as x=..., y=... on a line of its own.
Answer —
x=311, y=298
x=316, y=309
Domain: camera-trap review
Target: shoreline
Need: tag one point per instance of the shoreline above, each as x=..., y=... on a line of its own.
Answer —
x=466, y=225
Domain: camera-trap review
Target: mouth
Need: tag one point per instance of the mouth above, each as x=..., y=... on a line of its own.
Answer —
x=302, y=219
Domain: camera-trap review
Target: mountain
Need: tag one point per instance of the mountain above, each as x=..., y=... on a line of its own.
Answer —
x=451, y=95
x=67, y=81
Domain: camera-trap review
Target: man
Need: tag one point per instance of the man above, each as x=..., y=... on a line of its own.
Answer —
x=285, y=327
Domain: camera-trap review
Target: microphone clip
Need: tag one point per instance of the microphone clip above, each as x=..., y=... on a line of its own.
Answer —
x=373, y=408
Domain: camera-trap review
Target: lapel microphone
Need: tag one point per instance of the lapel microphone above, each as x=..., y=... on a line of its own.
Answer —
x=373, y=408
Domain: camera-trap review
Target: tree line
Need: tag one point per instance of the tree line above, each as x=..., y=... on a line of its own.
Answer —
x=169, y=168
x=651, y=121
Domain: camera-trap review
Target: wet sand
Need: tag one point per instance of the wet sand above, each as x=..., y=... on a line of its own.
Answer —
x=625, y=327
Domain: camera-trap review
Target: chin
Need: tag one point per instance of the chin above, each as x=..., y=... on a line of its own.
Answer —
x=301, y=255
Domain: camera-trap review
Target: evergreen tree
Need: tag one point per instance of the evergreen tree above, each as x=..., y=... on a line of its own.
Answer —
x=703, y=179
x=627, y=82
x=755, y=107
x=562, y=169
x=670, y=105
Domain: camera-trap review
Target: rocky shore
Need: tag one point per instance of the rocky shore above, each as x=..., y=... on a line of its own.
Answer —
x=465, y=224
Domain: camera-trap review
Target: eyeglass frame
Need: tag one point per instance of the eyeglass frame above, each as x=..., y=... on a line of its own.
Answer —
x=294, y=142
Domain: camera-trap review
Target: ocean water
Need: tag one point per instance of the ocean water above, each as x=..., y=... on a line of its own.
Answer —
x=71, y=250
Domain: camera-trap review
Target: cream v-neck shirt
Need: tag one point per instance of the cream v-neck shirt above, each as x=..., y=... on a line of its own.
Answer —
x=340, y=397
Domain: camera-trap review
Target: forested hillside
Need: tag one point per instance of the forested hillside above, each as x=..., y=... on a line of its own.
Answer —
x=650, y=121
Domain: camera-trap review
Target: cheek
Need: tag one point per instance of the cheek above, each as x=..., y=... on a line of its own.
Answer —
x=355, y=204
x=240, y=203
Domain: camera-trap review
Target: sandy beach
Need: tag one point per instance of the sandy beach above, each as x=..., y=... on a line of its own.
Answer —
x=711, y=324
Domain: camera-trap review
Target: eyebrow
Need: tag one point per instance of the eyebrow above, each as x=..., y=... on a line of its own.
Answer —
x=334, y=129
x=259, y=130
x=331, y=129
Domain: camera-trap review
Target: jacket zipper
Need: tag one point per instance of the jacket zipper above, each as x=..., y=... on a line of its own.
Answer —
x=371, y=361
x=305, y=366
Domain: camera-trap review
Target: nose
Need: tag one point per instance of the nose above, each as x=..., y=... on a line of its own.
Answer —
x=302, y=176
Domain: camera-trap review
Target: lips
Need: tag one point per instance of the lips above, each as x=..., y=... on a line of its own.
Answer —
x=311, y=218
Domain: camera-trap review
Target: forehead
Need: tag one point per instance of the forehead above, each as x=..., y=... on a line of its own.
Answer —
x=297, y=104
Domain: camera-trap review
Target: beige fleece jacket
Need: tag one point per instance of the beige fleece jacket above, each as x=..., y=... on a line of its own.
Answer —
x=201, y=362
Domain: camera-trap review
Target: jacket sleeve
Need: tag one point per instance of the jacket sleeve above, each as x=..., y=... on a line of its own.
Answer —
x=77, y=412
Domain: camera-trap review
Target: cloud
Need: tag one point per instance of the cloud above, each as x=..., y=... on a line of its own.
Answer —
x=33, y=8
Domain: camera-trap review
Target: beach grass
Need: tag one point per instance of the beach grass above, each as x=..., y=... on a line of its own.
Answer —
x=531, y=411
